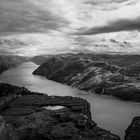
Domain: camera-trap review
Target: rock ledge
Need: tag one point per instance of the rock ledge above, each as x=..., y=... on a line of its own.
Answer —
x=24, y=116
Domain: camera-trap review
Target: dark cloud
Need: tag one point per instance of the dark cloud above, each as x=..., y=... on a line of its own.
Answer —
x=109, y=5
x=100, y=2
x=22, y=16
x=116, y=26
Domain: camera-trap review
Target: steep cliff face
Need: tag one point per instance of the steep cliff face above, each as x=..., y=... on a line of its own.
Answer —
x=133, y=131
x=90, y=74
x=7, y=62
x=35, y=116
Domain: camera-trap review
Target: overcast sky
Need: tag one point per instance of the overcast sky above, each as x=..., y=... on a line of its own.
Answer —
x=33, y=27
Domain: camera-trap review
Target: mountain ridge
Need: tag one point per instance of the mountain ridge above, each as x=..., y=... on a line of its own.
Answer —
x=102, y=74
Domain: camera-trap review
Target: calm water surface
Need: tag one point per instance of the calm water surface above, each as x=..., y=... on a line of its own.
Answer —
x=110, y=113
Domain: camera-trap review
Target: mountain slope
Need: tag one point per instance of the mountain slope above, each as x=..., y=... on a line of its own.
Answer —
x=92, y=73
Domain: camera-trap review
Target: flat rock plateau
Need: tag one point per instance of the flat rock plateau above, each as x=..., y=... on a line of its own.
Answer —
x=26, y=115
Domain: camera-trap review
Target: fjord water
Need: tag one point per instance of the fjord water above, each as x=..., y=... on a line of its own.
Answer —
x=109, y=113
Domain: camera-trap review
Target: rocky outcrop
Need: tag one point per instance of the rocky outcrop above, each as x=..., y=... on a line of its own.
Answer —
x=91, y=74
x=133, y=131
x=34, y=116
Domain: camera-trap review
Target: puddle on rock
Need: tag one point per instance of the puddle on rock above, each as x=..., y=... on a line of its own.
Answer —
x=54, y=107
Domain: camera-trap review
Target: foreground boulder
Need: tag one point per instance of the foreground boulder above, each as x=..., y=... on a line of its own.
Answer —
x=133, y=131
x=92, y=75
x=34, y=116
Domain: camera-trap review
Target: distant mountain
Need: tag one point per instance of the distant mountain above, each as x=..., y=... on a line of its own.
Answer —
x=40, y=59
x=9, y=61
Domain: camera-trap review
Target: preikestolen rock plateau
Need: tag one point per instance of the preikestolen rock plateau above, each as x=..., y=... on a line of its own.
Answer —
x=27, y=115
